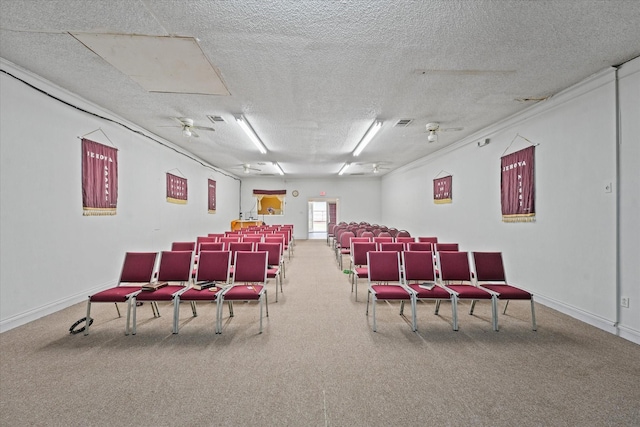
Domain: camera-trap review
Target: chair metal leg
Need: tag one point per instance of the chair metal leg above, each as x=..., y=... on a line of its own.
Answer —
x=533, y=316
x=368, y=294
x=505, y=307
x=132, y=301
x=260, y=302
x=176, y=314
x=494, y=312
x=87, y=323
x=473, y=305
x=266, y=302
x=454, y=311
x=437, y=310
x=194, y=309
x=373, y=311
x=117, y=309
x=413, y=314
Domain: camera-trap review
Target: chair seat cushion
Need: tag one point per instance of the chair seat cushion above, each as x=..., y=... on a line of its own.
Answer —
x=435, y=293
x=243, y=292
x=390, y=292
x=162, y=294
x=203, y=295
x=117, y=294
x=345, y=251
x=272, y=272
x=361, y=271
x=508, y=292
x=469, y=292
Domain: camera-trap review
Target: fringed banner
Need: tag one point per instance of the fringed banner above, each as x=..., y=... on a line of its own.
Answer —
x=212, y=196
x=176, y=189
x=442, y=190
x=99, y=178
x=517, y=186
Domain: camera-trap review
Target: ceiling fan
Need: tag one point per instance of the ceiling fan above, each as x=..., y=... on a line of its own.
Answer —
x=246, y=168
x=377, y=167
x=188, y=127
x=434, y=128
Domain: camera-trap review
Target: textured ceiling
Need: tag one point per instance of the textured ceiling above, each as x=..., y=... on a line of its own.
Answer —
x=311, y=76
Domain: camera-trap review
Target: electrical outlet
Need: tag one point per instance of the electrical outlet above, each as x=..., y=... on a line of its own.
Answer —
x=624, y=302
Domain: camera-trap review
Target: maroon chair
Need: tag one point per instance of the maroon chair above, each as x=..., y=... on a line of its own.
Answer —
x=490, y=275
x=390, y=246
x=331, y=227
x=455, y=275
x=217, y=236
x=203, y=239
x=380, y=238
x=175, y=267
x=344, y=246
x=403, y=233
x=230, y=239
x=249, y=283
x=428, y=239
x=138, y=268
x=274, y=260
x=420, y=276
x=446, y=247
x=211, y=246
x=234, y=247
x=420, y=246
x=183, y=246
x=278, y=238
x=253, y=238
x=214, y=266
x=384, y=270
x=405, y=239
x=359, y=262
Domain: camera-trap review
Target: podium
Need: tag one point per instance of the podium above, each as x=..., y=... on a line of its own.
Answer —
x=239, y=224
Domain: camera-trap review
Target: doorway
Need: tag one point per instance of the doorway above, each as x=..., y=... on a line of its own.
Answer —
x=317, y=219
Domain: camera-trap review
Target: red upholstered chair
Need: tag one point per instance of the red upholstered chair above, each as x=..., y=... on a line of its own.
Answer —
x=183, y=246
x=359, y=260
x=274, y=261
x=390, y=246
x=253, y=238
x=428, y=239
x=249, y=283
x=216, y=235
x=278, y=238
x=344, y=246
x=230, y=239
x=455, y=275
x=490, y=275
x=405, y=239
x=137, y=269
x=384, y=270
x=380, y=239
x=175, y=268
x=330, y=232
x=368, y=234
x=446, y=247
x=211, y=246
x=420, y=276
x=419, y=246
x=403, y=233
x=214, y=266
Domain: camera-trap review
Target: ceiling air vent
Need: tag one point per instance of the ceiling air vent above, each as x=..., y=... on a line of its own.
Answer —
x=403, y=122
x=216, y=119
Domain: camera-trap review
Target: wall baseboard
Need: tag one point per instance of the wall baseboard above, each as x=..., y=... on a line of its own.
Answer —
x=629, y=334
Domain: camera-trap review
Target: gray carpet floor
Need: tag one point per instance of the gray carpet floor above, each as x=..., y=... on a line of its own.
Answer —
x=318, y=363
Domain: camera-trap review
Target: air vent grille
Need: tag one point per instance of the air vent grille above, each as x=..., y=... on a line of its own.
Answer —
x=403, y=122
x=216, y=119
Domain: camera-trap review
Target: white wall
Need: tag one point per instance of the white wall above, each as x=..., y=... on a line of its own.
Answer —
x=629, y=188
x=52, y=255
x=358, y=199
x=567, y=258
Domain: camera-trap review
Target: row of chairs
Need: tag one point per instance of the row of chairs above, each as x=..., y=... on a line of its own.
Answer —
x=362, y=228
x=238, y=276
x=411, y=276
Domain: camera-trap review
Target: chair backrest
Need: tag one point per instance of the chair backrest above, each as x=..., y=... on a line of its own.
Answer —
x=175, y=266
x=393, y=231
x=384, y=266
x=276, y=238
x=418, y=266
x=428, y=239
x=216, y=235
x=385, y=234
x=359, y=251
x=250, y=267
x=380, y=238
x=446, y=247
x=183, y=246
x=368, y=234
x=454, y=266
x=345, y=239
x=420, y=246
x=138, y=267
x=214, y=266
x=403, y=233
x=239, y=246
x=202, y=239
x=211, y=246
x=405, y=239
x=390, y=246
x=273, y=249
x=360, y=239
x=255, y=238
x=489, y=266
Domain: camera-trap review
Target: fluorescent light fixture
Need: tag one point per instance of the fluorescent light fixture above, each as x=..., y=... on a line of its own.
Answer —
x=373, y=129
x=344, y=168
x=280, y=171
x=246, y=127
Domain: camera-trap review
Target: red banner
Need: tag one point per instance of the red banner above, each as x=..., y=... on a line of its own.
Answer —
x=176, y=189
x=212, y=196
x=442, y=189
x=517, y=186
x=99, y=178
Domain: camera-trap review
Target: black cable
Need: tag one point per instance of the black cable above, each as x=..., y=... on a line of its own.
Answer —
x=121, y=124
